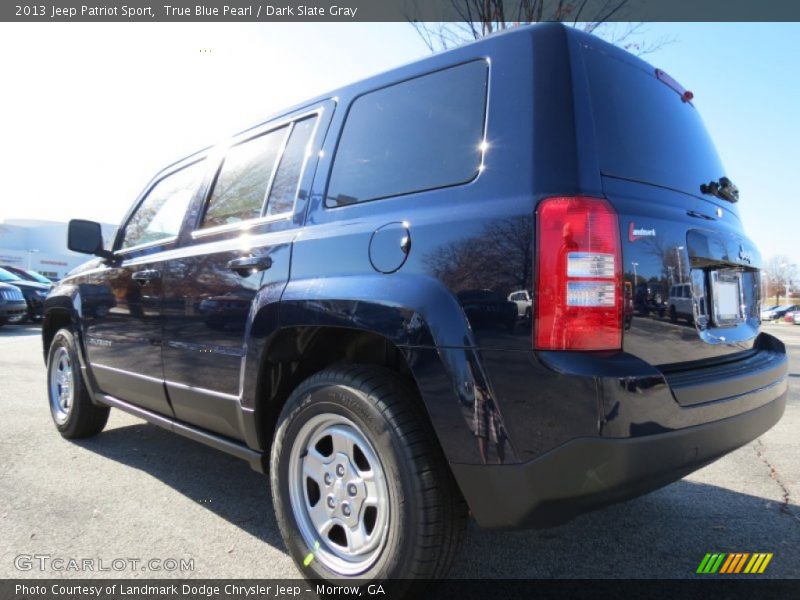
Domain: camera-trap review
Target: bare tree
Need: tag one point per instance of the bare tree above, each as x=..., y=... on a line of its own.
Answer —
x=479, y=18
x=499, y=257
x=778, y=274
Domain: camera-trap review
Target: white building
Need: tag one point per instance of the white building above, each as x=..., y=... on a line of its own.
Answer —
x=41, y=245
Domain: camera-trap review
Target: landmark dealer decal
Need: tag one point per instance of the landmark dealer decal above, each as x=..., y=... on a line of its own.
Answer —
x=636, y=233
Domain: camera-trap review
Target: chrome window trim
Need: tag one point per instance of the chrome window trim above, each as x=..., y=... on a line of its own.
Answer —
x=128, y=250
x=243, y=225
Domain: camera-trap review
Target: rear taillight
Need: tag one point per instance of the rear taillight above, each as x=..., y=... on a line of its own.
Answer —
x=578, y=300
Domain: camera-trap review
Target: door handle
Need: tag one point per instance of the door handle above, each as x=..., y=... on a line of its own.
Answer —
x=146, y=276
x=247, y=265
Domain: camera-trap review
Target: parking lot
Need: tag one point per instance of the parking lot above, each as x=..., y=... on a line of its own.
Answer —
x=138, y=492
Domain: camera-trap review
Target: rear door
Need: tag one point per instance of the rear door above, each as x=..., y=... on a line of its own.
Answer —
x=235, y=254
x=654, y=155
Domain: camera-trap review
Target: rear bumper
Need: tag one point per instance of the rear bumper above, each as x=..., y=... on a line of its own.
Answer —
x=591, y=472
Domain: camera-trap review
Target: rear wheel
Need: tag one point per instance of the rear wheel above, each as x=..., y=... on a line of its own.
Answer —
x=73, y=412
x=673, y=315
x=360, y=487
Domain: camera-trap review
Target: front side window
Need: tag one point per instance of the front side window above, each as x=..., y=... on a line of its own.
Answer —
x=420, y=134
x=160, y=214
x=243, y=179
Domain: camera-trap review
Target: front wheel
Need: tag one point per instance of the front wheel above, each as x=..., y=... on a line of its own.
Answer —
x=73, y=412
x=361, y=488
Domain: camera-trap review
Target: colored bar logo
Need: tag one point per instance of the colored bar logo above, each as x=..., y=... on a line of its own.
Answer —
x=734, y=562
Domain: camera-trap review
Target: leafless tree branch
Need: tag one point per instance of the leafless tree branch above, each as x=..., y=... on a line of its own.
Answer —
x=479, y=18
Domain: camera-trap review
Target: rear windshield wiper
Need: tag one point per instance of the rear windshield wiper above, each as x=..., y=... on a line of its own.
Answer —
x=722, y=188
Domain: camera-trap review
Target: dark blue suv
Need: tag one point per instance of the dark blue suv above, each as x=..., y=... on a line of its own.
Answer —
x=326, y=297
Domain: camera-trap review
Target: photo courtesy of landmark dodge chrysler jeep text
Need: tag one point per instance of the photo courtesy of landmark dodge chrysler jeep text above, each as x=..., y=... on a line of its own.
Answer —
x=327, y=297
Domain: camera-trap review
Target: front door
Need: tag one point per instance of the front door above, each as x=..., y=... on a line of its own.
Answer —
x=121, y=302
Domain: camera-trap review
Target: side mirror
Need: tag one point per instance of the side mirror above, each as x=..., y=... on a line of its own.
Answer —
x=86, y=237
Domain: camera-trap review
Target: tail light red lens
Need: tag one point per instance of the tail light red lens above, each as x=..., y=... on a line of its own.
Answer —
x=578, y=304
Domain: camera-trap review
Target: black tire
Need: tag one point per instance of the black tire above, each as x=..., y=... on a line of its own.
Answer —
x=83, y=418
x=527, y=316
x=427, y=514
x=673, y=315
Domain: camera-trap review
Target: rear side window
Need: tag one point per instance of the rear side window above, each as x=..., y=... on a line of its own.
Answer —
x=644, y=131
x=243, y=179
x=284, y=187
x=160, y=214
x=417, y=135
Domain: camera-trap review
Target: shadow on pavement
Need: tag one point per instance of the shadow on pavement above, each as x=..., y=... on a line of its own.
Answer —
x=220, y=483
x=663, y=535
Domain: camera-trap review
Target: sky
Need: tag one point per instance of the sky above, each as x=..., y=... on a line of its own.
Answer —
x=89, y=112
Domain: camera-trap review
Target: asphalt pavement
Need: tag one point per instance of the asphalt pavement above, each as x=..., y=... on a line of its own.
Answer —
x=137, y=501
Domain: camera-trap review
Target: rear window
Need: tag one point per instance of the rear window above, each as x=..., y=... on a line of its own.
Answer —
x=645, y=131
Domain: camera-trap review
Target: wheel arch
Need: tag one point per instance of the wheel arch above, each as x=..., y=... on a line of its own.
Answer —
x=59, y=312
x=410, y=325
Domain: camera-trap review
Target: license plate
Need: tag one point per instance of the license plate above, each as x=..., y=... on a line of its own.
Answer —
x=726, y=290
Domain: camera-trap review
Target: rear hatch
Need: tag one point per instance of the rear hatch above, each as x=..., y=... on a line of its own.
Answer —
x=654, y=155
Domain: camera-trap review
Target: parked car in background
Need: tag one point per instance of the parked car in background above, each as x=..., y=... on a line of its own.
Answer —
x=767, y=314
x=649, y=298
x=680, y=302
x=28, y=274
x=96, y=300
x=524, y=303
x=796, y=317
x=788, y=316
x=12, y=303
x=34, y=293
x=781, y=311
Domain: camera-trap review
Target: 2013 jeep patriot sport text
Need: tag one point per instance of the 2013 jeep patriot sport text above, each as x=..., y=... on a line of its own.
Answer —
x=327, y=298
